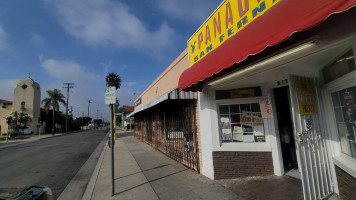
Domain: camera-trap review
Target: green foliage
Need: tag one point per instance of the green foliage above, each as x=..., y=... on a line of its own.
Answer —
x=18, y=120
x=121, y=109
x=54, y=98
x=82, y=121
x=98, y=121
x=113, y=80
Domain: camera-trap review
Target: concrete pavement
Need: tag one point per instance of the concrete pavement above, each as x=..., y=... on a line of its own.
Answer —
x=142, y=172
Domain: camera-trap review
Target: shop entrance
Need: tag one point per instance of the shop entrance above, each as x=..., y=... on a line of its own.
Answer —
x=285, y=127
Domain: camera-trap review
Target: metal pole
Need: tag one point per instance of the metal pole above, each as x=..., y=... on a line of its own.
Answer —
x=69, y=85
x=67, y=109
x=112, y=148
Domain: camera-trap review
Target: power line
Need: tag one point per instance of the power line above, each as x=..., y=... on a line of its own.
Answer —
x=67, y=86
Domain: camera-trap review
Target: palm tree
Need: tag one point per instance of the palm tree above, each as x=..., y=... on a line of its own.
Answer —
x=113, y=80
x=54, y=98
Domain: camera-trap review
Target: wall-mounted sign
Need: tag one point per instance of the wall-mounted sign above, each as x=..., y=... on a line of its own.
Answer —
x=304, y=88
x=138, y=102
x=282, y=82
x=228, y=19
x=239, y=93
x=307, y=107
x=266, y=108
x=309, y=123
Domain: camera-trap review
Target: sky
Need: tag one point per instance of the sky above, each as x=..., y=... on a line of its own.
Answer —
x=81, y=41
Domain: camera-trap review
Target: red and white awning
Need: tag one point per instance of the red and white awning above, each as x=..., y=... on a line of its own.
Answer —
x=273, y=27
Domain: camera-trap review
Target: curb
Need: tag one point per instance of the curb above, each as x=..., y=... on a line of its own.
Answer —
x=90, y=187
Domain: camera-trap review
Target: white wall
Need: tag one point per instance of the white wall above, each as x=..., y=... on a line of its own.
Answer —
x=206, y=131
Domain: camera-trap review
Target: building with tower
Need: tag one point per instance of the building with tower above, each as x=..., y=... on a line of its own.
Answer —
x=27, y=99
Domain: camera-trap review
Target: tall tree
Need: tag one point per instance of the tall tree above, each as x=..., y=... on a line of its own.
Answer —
x=55, y=97
x=113, y=80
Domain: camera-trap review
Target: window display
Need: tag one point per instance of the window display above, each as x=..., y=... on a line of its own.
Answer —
x=241, y=123
x=344, y=103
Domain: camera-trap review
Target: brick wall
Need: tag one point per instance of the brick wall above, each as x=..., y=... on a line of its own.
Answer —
x=229, y=164
x=346, y=183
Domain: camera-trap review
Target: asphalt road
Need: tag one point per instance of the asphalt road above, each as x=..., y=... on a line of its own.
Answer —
x=50, y=162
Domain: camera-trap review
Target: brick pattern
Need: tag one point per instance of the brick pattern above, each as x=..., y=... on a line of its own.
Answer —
x=229, y=164
x=346, y=183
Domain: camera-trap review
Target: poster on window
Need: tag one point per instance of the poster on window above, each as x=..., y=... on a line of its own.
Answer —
x=225, y=122
x=248, y=137
x=238, y=133
x=248, y=117
x=258, y=130
x=259, y=133
x=226, y=134
x=266, y=108
x=349, y=107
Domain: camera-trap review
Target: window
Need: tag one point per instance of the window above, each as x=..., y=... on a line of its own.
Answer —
x=241, y=123
x=343, y=65
x=344, y=102
x=23, y=105
x=238, y=93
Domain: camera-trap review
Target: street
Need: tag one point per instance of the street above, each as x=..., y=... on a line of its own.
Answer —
x=50, y=162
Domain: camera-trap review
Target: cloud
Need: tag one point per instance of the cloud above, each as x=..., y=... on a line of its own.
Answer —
x=37, y=40
x=129, y=84
x=68, y=71
x=107, y=22
x=4, y=45
x=106, y=66
x=7, y=89
x=122, y=68
x=188, y=10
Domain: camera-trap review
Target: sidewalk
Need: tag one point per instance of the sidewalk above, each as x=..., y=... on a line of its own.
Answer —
x=142, y=172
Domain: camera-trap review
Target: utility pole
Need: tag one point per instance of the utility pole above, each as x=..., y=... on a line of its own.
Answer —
x=67, y=86
x=82, y=119
x=89, y=102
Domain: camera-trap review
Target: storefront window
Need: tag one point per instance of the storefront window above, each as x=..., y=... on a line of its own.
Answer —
x=342, y=66
x=344, y=104
x=241, y=123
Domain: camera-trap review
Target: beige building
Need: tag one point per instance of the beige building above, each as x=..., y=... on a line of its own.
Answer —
x=5, y=111
x=27, y=99
x=167, y=119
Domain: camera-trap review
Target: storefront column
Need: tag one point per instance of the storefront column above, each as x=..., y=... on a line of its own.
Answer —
x=206, y=128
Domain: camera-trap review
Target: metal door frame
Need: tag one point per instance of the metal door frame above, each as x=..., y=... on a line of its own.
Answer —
x=312, y=158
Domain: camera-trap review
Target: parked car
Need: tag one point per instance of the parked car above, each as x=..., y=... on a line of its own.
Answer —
x=30, y=193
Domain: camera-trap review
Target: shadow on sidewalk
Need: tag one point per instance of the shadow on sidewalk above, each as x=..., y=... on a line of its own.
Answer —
x=161, y=166
x=125, y=134
x=151, y=180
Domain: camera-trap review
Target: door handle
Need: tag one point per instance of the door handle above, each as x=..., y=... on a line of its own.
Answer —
x=300, y=137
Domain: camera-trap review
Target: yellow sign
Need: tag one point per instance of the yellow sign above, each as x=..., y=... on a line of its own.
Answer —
x=304, y=88
x=230, y=17
x=307, y=107
x=242, y=93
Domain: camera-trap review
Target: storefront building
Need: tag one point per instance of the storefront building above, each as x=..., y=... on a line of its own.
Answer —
x=166, y=118
x=277, y=92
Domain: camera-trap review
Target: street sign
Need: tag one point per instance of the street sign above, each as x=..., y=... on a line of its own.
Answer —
x=110, y=95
